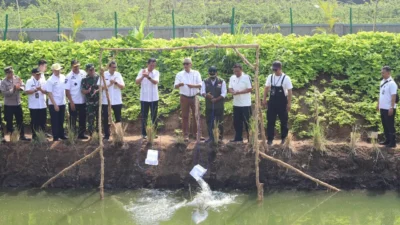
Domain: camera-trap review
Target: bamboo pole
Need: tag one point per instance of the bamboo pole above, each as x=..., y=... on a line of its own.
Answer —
x=287, y=166
x=184, y=47
x=71, y=166
x=263, y=137
x=260, y=186
x=244, y=59
x=101, y=145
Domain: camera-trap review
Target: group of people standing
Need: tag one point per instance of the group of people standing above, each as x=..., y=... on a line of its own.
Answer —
x=79, y=87
x=215, y=90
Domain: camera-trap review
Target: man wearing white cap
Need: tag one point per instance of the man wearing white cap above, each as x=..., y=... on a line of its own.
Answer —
x=188, y=82
x=55, y=87
x=77, y=103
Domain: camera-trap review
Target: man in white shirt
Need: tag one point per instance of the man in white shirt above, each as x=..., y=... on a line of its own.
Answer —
x=55, y=88
x=188, y=82
x=114, y=83
x=240, y=87
x=36, y=102
x=387, y=106
x=214, y=90
x=279, y=87
x=77, y=103
x=148, y=80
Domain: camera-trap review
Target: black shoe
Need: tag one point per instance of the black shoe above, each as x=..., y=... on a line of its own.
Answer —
x=106, y=138
x=234, y=141
x=3, y=140
x=63, y=138
x=209, y=140
x=283, y=141
x=56, y=139
x=48, y=135
x=83, y=137
x=23, y=138
x=384, y=143
x=269, y=143
x=144, y=137
x=393, y=145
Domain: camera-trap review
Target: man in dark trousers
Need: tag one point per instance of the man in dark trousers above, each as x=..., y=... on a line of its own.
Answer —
x=77, y=101
x=387, y=106
x=279, y=87
x=36, y=102
x=240, y=87
x=11, y=87
x=214, y=90
x=90, y=89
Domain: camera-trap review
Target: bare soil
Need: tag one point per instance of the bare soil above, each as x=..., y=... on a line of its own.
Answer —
x=230, y=166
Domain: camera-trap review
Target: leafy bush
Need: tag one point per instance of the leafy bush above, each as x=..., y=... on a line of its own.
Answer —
x=345, y=69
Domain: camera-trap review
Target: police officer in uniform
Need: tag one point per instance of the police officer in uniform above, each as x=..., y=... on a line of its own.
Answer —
x=90, y=89
x=77, y=103
x=214, y=90
x=279, y=87
x=36, y=101
x=11, y=87
x=55, y=88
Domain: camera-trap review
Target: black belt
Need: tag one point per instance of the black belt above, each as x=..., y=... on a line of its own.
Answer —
x=188, y=96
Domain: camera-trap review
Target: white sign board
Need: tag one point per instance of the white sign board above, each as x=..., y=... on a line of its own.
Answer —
x=152, y=157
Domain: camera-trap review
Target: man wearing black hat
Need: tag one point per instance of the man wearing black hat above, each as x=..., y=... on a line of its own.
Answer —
x=77, y=102
x=36, y=101
x=214, y=90
x=11, y=87
x=279, y=87
x=90, y=89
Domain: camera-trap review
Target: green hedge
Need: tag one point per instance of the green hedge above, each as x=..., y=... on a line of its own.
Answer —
x=345, y=69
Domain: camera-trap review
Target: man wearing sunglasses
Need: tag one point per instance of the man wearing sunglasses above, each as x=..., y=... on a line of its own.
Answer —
x=90, y=89
x=188, y=82
x=77, y=103
x=279, y=87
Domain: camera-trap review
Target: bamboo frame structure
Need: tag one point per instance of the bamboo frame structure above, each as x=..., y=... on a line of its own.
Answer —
x=257, y=117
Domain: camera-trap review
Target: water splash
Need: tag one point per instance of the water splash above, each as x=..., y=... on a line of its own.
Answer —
x=155, y=206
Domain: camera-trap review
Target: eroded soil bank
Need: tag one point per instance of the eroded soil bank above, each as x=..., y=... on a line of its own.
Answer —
x=231, y=166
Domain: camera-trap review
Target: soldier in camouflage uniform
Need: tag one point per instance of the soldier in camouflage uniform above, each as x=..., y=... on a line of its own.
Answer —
x=90, y=89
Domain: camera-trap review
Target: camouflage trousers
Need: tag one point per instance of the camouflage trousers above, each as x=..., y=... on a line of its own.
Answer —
x=92, y=112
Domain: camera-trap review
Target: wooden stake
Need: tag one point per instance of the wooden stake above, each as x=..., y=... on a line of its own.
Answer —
x=101, y=145
x=260, y=186
x=71, y=166
x=298, y=171
x=244, y=59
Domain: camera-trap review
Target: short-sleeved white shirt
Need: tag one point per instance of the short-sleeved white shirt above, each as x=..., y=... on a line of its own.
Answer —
x=33, y=101
x=148, y=90
x=385, y=93
x=114, y=91
x=73, y=84
x=277, y=82
x=56, y=86
x=240, y=84
x=192, y=77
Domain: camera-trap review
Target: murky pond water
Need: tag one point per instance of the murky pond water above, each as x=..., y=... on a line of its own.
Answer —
x=35, y=207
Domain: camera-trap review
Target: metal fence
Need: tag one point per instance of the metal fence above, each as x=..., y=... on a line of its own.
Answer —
x=173, y=31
